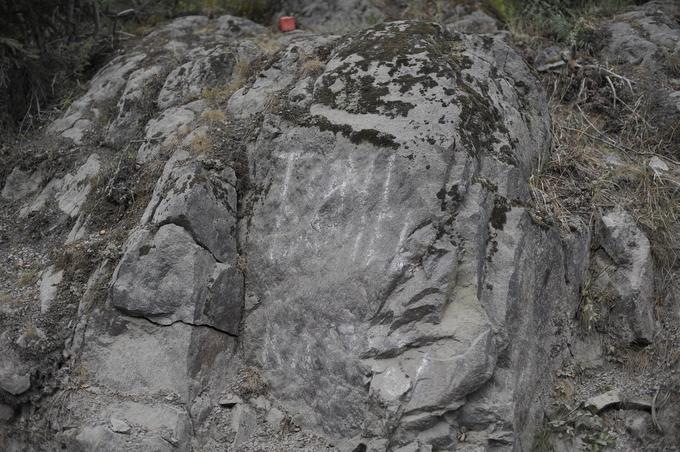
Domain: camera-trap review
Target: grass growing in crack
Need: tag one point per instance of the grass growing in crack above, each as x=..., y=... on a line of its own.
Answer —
x=267, y=44
x=251, y=383
x=202, y=144
x=242, y=264
x=213, y=117
x=312, y=67
x=594, y=302
x=220, y=95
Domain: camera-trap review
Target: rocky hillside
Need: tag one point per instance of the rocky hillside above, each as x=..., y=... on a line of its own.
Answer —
x=420, y=235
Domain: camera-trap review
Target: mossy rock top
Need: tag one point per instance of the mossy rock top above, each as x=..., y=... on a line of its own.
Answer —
x=408, y=83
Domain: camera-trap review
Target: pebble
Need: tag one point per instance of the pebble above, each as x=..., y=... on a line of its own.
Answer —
x=119, y=426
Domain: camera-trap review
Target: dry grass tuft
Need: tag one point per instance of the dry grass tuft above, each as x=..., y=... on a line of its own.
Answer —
x=7, y=299
x=31, y=331
x=636, y=360
x=213, y=117
x=220, y=95
x=27, y=277
x=242, y=263
x=268, y=45
x=312, y=67
x=202, y=144
x=251, y=383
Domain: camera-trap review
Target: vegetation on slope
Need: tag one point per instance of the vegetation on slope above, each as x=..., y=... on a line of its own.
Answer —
x=49, y=47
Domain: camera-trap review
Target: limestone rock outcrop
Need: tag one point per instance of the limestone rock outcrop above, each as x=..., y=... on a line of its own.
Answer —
x=344, y=245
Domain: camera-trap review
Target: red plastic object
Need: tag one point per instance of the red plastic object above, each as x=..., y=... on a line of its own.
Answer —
x=287, y=23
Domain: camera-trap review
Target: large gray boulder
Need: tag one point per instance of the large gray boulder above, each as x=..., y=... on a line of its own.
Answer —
x=353, y=256
x=392, y=266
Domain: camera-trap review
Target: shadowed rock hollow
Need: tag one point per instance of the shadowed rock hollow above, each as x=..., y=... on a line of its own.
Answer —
x=292, y=243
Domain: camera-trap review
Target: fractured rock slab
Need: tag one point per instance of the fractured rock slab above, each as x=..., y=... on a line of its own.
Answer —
x=166, y=277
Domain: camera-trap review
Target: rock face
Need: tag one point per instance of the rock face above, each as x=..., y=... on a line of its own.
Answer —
x=182, y=266
x=352, y=256
x=392, y=268
x=626, y=271
x=642, y=36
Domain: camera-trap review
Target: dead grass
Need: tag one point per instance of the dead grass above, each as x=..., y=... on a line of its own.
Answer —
x=31, y=331
x=202, y=144
x=601, y=161
x=219, y=96
x=213, y=117
x=27, y=277
x=312, y=67
x=7, y=299
x=636, y=361
x=564, y=390
x=251, y=382
x=268, y=45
